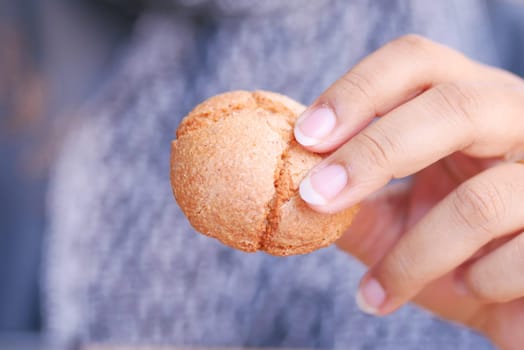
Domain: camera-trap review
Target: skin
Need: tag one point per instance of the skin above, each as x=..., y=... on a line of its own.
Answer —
x=450, y=238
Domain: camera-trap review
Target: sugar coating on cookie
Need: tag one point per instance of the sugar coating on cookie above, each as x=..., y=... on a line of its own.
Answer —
x=235, y=172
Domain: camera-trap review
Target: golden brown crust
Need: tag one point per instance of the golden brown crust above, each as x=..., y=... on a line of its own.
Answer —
x=235, y=171
x=214, y=109
x=222, y=191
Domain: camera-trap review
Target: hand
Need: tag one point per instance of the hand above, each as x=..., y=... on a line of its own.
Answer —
x=450, y=238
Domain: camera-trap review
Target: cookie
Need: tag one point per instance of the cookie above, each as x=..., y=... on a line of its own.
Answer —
x=235, y=172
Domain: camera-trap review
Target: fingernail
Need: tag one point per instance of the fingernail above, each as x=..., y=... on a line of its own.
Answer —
x=323, y=184
x=370, y=296
x=313, y=126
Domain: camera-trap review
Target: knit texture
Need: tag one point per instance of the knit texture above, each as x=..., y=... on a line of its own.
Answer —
x=124, y=266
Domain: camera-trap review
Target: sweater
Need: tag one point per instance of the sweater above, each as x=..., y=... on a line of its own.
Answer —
x=124, y=266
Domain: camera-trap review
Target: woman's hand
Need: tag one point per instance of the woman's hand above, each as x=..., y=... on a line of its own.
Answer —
x=451, y=238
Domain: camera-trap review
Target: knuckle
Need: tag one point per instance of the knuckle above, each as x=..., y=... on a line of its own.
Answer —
x=413, y=43
x=400, y=273
x=457, y=100
x=378, y=145
x=480, y=206
x=354, y=84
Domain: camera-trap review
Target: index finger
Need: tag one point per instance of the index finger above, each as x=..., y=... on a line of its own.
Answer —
x=385, y=79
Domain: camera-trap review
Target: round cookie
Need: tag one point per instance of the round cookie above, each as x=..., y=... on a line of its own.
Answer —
x=235, y=172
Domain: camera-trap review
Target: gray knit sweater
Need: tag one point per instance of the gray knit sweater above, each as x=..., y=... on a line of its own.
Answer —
x=123, y=264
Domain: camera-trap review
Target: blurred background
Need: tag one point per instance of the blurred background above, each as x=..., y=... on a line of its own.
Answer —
x=54, y=56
